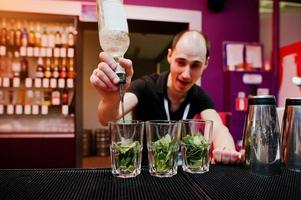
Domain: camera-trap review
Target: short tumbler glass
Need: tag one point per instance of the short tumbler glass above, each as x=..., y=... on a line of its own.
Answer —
x=195, y=145
x=163, y=147
x=126, y=147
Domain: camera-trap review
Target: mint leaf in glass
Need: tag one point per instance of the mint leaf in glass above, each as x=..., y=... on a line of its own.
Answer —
x=128, y=154
x=165, y=151
x=197, y=152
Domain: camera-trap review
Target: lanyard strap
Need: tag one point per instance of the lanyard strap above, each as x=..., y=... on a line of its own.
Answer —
x=185, y=114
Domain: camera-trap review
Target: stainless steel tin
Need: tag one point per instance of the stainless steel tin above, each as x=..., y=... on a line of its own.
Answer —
x=261, y=138
x=291, y=134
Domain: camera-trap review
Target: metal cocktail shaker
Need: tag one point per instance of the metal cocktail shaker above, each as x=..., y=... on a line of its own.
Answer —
x=262, y=136
x=291, y=134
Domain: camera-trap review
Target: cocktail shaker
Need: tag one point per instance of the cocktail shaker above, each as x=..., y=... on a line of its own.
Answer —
x=261, y=138
x=291, y=134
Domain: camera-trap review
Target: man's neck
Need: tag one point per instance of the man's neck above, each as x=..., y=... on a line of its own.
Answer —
x=176, y=98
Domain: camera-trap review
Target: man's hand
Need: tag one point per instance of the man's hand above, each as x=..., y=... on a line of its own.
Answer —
x=227, y=156
x=104, y=78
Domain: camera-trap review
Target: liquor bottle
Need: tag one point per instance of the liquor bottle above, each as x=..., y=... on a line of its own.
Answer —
x=2, y=61
x=10, y=98
x=113, y=36
x=47, y=98
x=3, y=32
x=44, y=38
x=10, y=36
x=58, y=37
x=18, y=37
x=55, y=73
x=63, y=70
x=71, y=72
x=47, y=72
x=64, y=37
x=28, y=102
x=25, y=36
x=20, y=97
x=40, y=68
x=29, y=97
x=24, y=68
x=55, y=97
x=38, y=97
x=16, y=65
x=8, y=63
x=65, y=97
x=2, y=97
x=31, y=36
x=51, y=37
x=71, y=37
x=38, y=35
x=113, y=32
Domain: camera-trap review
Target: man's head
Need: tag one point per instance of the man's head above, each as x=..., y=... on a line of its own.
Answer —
x=188, y=57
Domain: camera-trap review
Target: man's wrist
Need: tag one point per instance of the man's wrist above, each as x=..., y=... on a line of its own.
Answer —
x=111, y=99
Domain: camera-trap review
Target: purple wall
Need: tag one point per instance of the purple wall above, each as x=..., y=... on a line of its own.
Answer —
x=238, y=22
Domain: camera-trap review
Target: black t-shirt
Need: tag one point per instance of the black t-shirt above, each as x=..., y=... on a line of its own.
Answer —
x=151, y=90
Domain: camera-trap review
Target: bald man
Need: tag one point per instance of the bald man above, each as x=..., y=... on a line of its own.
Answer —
x=172, y=95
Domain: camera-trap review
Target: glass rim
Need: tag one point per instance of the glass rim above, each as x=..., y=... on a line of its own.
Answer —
x=125, y=122
x=197, y=120
x=159, y=121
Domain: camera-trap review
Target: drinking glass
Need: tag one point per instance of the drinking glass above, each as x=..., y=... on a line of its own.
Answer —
x=163, y=147
x=195, y=145
x=126, y=147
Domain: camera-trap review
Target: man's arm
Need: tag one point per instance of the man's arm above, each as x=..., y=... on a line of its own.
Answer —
x=105, y=81
x=223, y=144
x=110, y=109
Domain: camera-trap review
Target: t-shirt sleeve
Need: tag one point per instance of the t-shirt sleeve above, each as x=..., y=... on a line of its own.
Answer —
x=205, y=100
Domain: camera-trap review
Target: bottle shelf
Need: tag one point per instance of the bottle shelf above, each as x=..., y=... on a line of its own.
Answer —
x=37, y=83
x=36, y=52
x=27, y=110
x=37, y=89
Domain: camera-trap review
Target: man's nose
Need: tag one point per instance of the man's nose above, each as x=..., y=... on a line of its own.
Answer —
x=186, y=72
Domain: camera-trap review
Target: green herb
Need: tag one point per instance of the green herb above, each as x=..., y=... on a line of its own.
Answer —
x=196, y=150
x=165, y=152
x=128, y=153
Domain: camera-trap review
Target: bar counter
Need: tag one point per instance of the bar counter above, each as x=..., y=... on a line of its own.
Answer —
x=221, y=182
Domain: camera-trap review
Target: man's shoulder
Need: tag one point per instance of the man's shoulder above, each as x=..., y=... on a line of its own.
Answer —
x=197, y=90
x=152, y=79
x=144, y=83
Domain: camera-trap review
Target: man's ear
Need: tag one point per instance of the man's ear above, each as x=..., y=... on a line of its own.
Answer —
x=206, y=63
x=169, y=55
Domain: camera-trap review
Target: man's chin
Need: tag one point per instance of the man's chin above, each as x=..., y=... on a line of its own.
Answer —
x=183, y=88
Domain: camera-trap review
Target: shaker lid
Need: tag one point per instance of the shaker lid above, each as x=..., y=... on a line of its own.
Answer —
x=262, y=100
x=293, y=101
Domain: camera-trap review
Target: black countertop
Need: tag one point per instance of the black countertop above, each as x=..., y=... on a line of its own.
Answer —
x=221, y=182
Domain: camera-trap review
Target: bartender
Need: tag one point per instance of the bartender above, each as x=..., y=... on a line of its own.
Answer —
x=172, y=95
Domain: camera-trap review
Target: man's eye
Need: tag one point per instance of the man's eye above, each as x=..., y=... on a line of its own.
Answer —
x=196, y=65
x=181, y=63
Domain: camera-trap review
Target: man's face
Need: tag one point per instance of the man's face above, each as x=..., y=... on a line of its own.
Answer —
x=187, y=61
